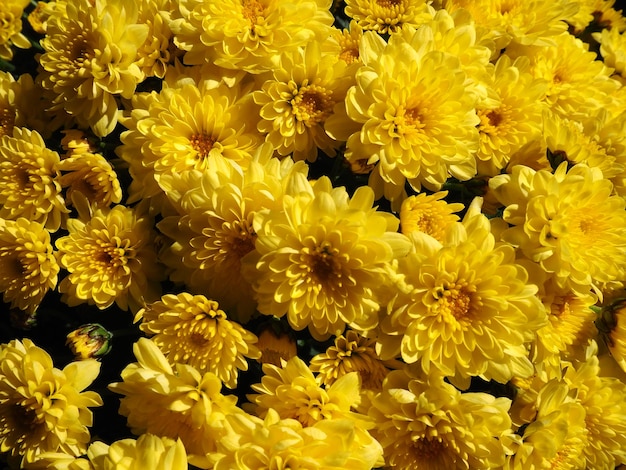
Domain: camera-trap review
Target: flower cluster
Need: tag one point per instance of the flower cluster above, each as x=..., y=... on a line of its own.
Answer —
x=353, y=234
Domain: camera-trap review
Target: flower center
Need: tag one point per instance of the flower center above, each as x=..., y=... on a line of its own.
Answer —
x=388, y=3
x=493, y=121
x=252, y=10
x=243, y=239
x=108, y=256
x=7, y=121
x=323, y=263
x=426, y=450
x=202, y=144
x=312, y=104
x=409, y=120
x=457, y=300
x=78, y=50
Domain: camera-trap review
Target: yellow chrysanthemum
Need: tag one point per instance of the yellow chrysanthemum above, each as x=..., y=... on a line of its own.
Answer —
x=284, y=443
x=409, y=114
x=179, y=402
x=467, y=309
x=297, y=98
x=90, y=54
x=556, y=437
x=388, y=16
x=29, y=179
x=350, y=353
x=510, y=115
x=432, y=425
x=612, y=326
x=91, y=175
x=320, y=259
x=76, y=142
x=42, y=408
x=570, y=324
x=38, y=18
x=58, y=461
x=155, y=53
x=293, y=392
x=28, y=267
x=604, y=400
x=22, y=104
x=110, y=258
x=214, y=228
x=174, y=131
x=277, y=343
x=578, y=84
x=345, y=43
x=595, y=145
x=518, y=21
x=146, y=452
x=429, y=213
x=569, y=222
x=248, y=34
x=191, y=329
x=11, y=27
x=613, y=49
x=604, y=13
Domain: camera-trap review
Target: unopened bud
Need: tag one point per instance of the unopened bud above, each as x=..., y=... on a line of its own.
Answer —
x=90, y=341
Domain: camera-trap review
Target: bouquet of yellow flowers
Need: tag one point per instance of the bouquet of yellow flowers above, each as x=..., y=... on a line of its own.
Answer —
x=313, y=234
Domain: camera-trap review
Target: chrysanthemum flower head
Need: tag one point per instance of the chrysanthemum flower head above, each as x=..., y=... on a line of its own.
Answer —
x=29, y=185
x=293, y=392
x=388, y=16
x=276, y=442
x=351, y=352
x=430, y=424
x=147, y=451
x=297, y=97
x=570, y=324
x=90, y=54
x=174, y=131
x=214, y=230
x=591, y=144
x=409, y=114
x=22, y=104
x=110, y=258
x=277, y=343
x=467, y=309
x=578, y=85
x=510, y=115
x=11, y=27
x=518, y=21
x=42, y=408
x=176, y=402
x=604, y=401
x=191, y=329
x=91, y=175
x=428, y=213
x=612, y=327
x=154, y=55
x=569, y=222
x=321, y=258
x=28, y=266
x=248, y=34
x=557, y=435
x=613, y=49
x=345, y=43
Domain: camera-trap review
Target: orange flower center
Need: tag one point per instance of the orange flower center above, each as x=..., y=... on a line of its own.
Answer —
x=427, y=450
x=7, y=121
x=312, y=104
x=458, y=300
x=252, y=10
x=202, y=144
